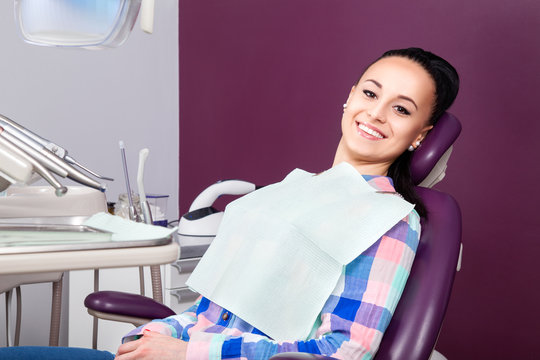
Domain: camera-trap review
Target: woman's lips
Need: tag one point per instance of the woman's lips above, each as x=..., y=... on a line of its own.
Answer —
x=364, y=129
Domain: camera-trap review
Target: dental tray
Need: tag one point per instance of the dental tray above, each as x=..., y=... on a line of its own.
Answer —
x=35, y=238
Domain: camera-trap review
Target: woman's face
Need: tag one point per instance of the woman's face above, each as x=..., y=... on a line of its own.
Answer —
x=387, y=111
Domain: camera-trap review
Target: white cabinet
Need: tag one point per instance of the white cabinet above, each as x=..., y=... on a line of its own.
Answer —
x=179, y=296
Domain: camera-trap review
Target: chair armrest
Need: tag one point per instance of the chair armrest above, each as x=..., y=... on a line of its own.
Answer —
x=115, y=302
x=300, y=356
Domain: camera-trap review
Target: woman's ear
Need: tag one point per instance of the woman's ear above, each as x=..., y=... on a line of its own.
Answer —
x=423, y=133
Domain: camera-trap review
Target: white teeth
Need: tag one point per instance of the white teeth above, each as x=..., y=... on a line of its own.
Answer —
x=370, y=131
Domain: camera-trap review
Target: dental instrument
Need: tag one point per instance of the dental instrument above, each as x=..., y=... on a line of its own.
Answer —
x=38, y=143
x=133, y=214
x=8, y=138
x=13, y=168
x=50, y=161
x=145, y=208
x=37, y=166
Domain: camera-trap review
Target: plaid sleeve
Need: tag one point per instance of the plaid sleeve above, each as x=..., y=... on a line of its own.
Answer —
x=354, y=318
x=175, y=326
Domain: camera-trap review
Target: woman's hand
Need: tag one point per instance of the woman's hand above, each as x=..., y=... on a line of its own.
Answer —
x=153, y=345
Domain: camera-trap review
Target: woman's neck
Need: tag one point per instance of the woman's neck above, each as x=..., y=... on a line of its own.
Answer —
x=363, y=167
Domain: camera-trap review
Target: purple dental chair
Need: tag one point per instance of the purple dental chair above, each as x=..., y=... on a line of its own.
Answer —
x=415, y=325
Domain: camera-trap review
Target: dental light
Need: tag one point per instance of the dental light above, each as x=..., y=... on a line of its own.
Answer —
x=91, y=24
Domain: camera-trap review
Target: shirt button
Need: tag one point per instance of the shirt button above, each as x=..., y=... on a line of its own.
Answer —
x=225, y=316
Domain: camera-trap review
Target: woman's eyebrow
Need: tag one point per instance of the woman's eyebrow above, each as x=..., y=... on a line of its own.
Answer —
x=378, y=84
x=408, y=99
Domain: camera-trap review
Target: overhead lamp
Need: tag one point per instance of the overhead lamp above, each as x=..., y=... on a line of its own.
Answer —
x=91, y=24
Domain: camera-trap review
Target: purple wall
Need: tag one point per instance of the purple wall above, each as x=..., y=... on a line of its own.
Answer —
x=261, y=89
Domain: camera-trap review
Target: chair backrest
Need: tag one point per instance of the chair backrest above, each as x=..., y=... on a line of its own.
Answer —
x=429, y=160
x=415, y=326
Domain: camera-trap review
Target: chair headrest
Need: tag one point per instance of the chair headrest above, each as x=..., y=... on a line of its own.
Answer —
x=428, y=162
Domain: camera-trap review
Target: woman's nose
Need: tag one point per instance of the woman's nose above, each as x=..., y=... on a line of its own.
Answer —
x=376, y=112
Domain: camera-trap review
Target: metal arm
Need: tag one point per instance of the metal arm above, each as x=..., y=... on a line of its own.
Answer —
x=40, y=144
x=45, y=156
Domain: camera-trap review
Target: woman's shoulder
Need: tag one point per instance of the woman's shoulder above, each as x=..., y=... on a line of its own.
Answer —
x=414, y=220
x=412, y=237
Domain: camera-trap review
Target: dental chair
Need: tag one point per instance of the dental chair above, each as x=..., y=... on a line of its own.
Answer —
x=415, y=325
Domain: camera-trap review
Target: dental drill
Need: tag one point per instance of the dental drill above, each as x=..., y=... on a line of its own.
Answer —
x=44, y=156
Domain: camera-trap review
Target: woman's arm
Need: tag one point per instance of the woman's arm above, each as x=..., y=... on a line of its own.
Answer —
x=175, y=326
x=153, y=346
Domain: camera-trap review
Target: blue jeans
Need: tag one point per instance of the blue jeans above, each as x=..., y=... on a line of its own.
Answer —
x=52, y=353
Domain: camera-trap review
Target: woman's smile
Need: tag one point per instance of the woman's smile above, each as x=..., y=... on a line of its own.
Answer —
x=368, y=131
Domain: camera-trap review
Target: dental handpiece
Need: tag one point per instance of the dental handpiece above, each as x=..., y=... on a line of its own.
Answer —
x=40, y=169
x=71, y=160
x=52, y=162
x=73, y=173
x=30, y=151
x=39, y=143
x=20, y=131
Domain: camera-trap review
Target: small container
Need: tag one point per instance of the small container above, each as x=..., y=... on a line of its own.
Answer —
x=158, y=208
x=121, y=208
x=110, y=207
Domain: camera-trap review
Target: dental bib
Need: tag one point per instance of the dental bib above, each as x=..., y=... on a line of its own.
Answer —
x=280, y=250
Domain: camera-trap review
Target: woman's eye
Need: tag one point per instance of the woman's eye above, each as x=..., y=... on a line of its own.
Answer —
x=402, y=110
x=370, y=94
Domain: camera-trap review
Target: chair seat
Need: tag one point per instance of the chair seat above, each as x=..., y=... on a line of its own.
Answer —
x=115, y=302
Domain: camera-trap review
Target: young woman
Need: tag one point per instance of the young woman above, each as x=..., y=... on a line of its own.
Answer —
x=386, y=116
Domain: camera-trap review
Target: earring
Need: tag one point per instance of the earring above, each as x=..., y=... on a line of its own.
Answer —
x=344, y=107
x=412, y=148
